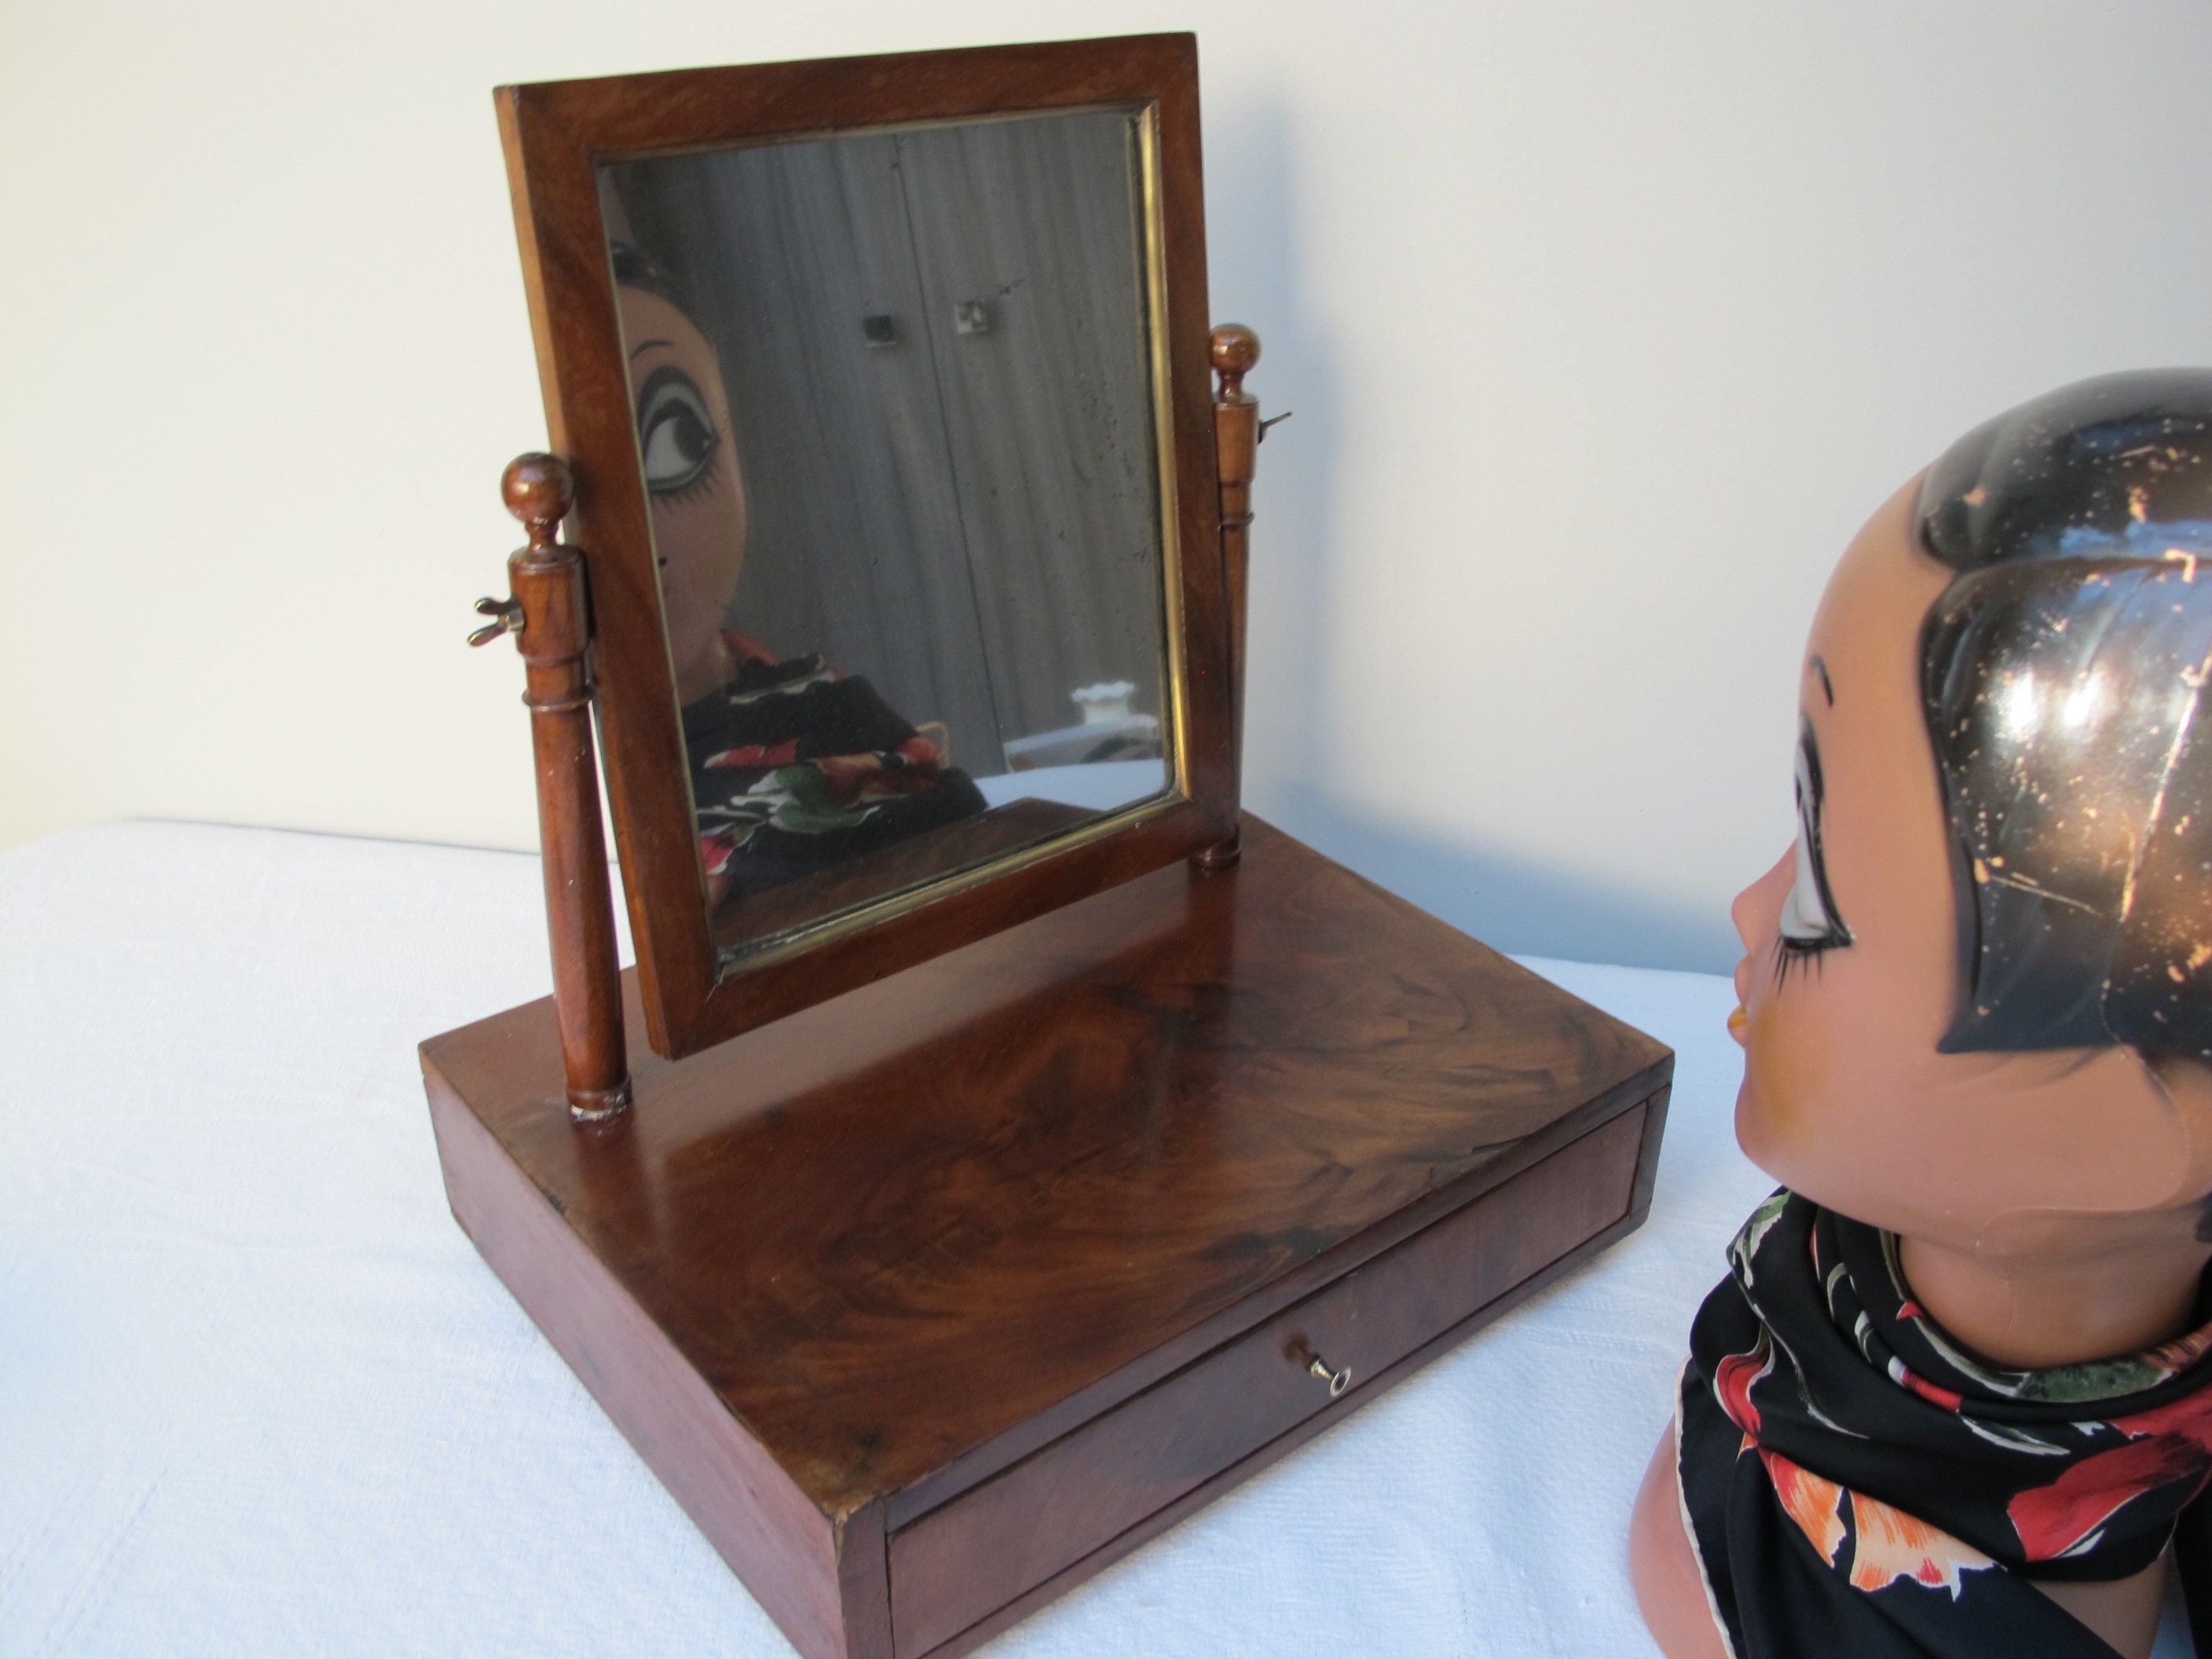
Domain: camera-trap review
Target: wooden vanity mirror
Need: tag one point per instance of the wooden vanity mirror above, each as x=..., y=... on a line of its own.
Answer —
x=885, y=385
x=1036, y=1145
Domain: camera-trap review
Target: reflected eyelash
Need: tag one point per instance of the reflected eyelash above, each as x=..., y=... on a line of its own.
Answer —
x=703, y=484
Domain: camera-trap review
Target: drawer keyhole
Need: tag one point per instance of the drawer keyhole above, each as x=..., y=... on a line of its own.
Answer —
x=1338, y=1380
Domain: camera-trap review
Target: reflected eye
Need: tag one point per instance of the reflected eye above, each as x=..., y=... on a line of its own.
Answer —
x=676, y=436
x=1809, y=921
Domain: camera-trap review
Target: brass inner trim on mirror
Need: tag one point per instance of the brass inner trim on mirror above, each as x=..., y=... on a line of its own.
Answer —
x=1163, y=459
x=737, y=960
x=731, y=961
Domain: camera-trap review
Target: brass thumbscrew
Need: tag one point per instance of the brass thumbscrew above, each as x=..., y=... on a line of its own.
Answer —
x=506, y=618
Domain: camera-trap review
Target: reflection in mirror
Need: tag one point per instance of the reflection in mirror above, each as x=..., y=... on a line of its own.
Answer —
x=896, y=415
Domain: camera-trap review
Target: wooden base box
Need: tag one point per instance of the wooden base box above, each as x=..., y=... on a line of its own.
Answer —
x=930, y=1301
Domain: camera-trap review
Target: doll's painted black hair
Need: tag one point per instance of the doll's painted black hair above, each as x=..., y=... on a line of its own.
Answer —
x=2062, y=676
x=634, y=268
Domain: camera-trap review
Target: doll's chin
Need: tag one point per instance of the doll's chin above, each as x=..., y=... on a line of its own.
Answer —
x=1822, y=1173
x=1764, y=1129
x=1754, y=1129
x=692, y=652
x=1755, y=1117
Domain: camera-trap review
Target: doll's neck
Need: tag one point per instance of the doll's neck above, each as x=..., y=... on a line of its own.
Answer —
x=2030, y=1312
x=709, y=670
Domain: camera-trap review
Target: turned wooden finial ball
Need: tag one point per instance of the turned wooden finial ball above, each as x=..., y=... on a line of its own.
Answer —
x=1236, y=348
x=538, y=489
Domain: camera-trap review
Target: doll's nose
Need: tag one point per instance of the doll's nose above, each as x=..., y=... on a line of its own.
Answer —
x=1757, y=912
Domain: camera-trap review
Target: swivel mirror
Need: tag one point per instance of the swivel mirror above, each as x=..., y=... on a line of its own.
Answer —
x=895, y=418
x=898, y=507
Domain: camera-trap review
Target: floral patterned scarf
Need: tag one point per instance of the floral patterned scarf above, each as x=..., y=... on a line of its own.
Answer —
x=1856, y=1484
x=796, y=768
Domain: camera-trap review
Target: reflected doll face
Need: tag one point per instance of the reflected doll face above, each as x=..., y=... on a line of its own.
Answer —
x=692, y=475
x=1850, y=977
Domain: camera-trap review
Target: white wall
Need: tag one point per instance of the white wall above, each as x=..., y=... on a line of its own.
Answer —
x=1605, y=326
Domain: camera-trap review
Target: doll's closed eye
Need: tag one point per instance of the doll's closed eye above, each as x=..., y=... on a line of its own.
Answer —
x=1809, y=923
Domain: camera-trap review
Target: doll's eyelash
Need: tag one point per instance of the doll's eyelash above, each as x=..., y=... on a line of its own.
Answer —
x=1809, y=924
x=705, y=484
x=1790, y=954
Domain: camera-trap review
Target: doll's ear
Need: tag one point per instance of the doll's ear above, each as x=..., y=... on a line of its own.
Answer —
x=2086, y=1132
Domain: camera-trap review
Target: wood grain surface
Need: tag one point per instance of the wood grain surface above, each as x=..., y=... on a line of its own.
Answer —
x=908, y=1227
x=962, y=1561
x=901, y=1241
x=788, y=1554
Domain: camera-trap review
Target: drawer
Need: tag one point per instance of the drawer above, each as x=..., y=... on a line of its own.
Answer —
x=963, y=1561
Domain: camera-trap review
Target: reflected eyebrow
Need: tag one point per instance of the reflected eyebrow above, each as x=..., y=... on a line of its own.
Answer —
x=1827, y=686
x=649, y=345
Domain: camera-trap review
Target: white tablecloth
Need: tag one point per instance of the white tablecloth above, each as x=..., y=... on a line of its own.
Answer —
x=258, y=1395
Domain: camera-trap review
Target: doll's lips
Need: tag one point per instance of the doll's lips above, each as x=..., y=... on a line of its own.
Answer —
x=1739, y=1022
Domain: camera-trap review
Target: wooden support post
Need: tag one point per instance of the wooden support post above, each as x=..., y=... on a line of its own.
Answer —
x=551, y=622
x=1235, y=444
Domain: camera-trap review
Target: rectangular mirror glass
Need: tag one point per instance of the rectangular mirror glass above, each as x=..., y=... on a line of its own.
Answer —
x=897, y=410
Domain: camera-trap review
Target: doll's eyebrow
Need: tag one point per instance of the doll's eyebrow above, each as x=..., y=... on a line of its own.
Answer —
x=649, y=345
x=1827, y=686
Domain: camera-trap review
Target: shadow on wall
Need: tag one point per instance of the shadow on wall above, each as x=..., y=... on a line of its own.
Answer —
x=1509, y=904
x=1253, y=223
x=1255, y=217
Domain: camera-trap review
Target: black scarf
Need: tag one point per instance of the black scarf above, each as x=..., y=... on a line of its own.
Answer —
x=796, y=768
x=1856, y=1484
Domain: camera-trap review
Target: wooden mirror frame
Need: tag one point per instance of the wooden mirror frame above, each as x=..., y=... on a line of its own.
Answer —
x=557, y=135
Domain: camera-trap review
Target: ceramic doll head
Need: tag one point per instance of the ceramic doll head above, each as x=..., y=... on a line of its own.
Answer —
x=1954, y=1382
x=1977, y=996
x=684, y=435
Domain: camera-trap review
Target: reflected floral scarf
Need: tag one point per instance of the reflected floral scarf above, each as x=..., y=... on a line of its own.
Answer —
x=796, y=768
x=1856, y=1484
